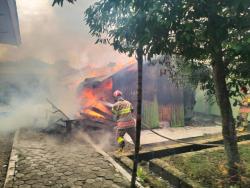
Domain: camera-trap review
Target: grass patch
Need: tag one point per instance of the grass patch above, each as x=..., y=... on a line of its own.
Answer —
x=208, y=167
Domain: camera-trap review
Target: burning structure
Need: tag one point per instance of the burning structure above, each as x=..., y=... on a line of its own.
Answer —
x=163, y=101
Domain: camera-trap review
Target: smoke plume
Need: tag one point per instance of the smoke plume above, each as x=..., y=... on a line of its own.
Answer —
x=25, y=87
x=56, y=54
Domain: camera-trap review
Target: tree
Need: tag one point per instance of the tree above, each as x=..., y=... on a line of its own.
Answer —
x=60, y=2
x=210, y=33
x=214, y=33
x=108, y=18
x=135, y=48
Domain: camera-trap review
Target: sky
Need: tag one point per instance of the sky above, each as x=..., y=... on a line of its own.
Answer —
x=51, y=34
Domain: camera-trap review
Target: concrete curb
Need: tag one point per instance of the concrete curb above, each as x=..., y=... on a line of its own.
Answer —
x=12, y=161
x=171, y=174
x=151, y=180
x=111, y=160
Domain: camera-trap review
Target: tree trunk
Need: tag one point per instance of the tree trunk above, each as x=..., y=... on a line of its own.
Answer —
x=138, y=119
x=228, y=126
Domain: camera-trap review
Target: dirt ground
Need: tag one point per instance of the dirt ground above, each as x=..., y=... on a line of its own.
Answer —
x=5, y=149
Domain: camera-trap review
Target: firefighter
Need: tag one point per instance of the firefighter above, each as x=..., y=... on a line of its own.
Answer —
x=244, y=110
x=122, y=111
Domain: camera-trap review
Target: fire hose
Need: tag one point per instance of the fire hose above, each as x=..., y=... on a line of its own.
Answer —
x=178, y=141
x=165, y=137
x=145, y=125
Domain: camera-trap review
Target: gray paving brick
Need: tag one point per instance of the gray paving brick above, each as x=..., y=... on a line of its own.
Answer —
x=45, y=162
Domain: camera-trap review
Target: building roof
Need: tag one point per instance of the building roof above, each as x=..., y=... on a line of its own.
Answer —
x=9, y=26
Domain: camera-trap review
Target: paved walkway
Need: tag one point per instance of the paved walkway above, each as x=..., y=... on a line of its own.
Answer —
x=44, y=161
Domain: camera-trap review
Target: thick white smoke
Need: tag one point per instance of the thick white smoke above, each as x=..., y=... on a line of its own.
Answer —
x=24, y=92
x=33, y=71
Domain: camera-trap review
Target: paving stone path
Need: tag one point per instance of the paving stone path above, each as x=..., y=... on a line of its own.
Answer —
x=44, y=161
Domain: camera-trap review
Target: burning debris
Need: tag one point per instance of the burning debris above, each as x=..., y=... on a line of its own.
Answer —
x=94, y=113
x=92, y=98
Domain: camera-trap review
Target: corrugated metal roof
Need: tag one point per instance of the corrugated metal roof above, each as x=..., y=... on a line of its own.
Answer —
x=9, y=25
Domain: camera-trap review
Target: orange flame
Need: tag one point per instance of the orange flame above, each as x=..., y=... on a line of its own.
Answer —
x=92, y=113
x=91, y=97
